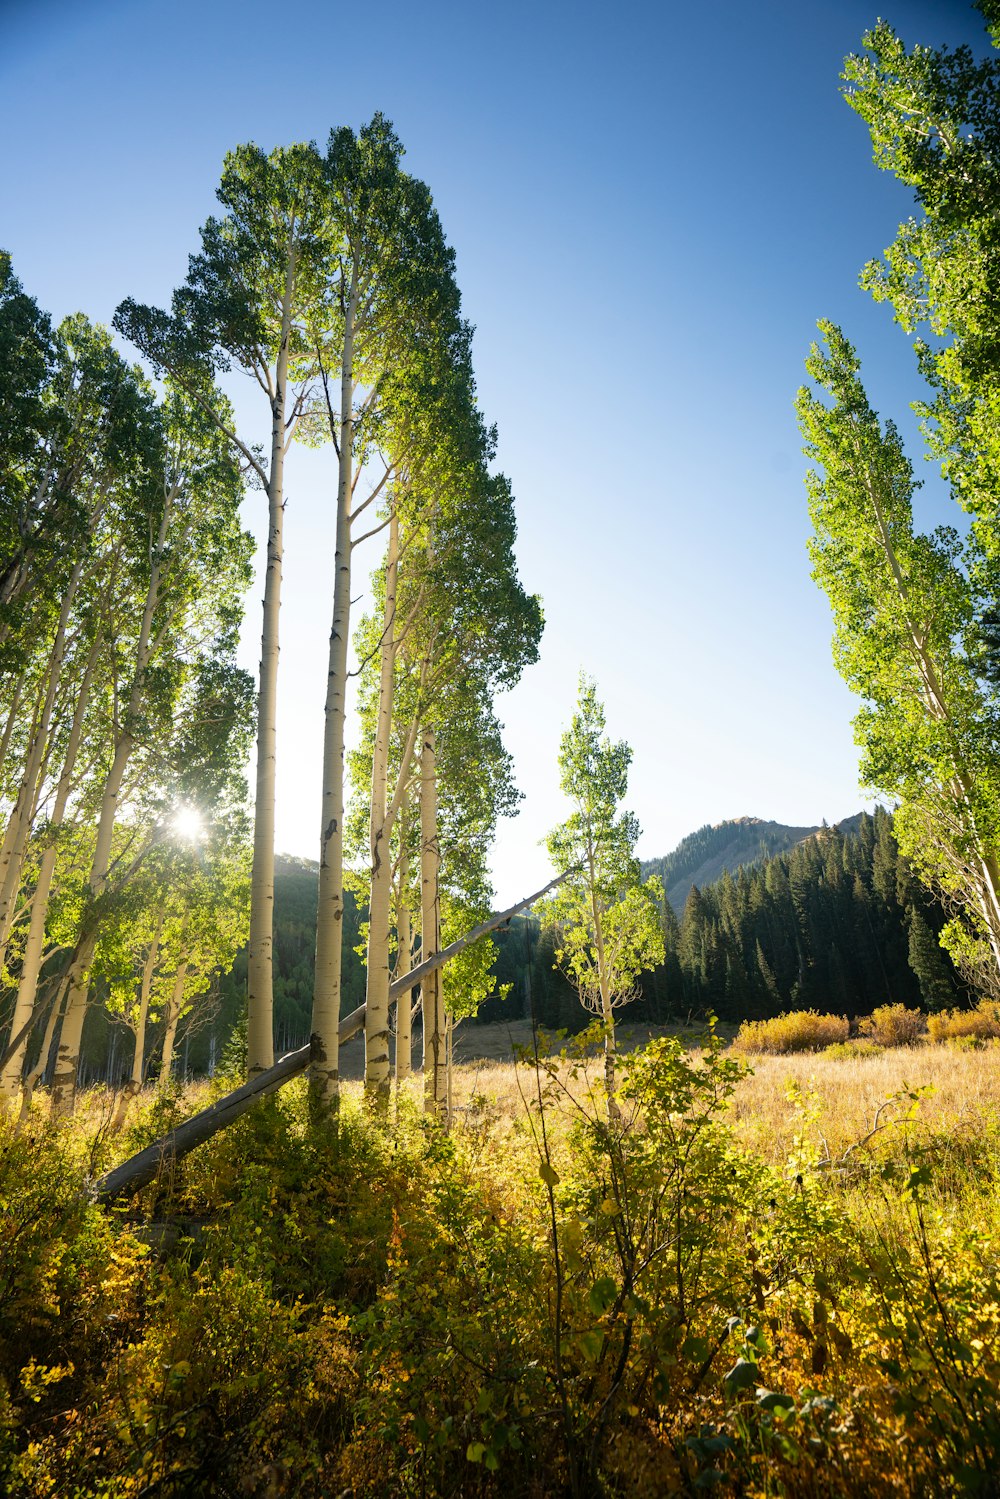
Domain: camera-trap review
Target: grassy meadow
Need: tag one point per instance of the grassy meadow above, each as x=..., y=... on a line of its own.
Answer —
x=718, y=1294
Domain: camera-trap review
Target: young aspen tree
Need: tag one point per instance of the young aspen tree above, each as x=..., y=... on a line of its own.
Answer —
x=608, y=921
x=248, y=294
x=905, y=608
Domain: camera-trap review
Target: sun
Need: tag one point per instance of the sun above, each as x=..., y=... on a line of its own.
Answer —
x=188, y=824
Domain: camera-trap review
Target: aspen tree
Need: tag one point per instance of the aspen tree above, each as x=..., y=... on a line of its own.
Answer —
x=247, y=297
x=393, y=281
x=905, y=607
x=608, y=921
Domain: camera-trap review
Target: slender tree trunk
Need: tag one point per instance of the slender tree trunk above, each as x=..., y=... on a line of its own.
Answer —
x=404, y=943
x=148, y=970
x=380, y=836
x=435, y=1094
x=607, y=1012
x=36, y=1074
x=324, y=1041
x=31, y=963
x=15, y=840
x=260, y=980
x=173, y=1016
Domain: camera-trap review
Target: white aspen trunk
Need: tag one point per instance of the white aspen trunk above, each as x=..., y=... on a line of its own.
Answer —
x=324, y=1067
x=67, y=1059
x=607, y=1011
x=148, y=969
x=35, y=1076
x=31, y=963
x=260, y=970
x=404, y=944
x=173, y=1016
x=380, y=836
x=435, y=1097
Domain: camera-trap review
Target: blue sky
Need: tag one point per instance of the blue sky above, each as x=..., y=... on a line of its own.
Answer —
x=651, y=205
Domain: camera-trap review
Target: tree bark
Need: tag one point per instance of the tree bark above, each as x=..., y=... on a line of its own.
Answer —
x=380, y=840
x=404, y=942
x=260, y=979
x=324, y=1071
x=435, y=1071
x=173, y=1016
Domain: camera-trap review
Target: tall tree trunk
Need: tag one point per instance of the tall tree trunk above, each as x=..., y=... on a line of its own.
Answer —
x=435, y=1096
x=404, y=944
x=173, y=1016
x=260, y=978
x=607, y=1012
x=31, y=963
x=324, y=1066
x=148, y=970
x=380, y=839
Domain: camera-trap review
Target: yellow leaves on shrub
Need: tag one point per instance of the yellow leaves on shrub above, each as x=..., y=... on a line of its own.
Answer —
x=800, y=1030
x=894, y=1025
x=980, y=1024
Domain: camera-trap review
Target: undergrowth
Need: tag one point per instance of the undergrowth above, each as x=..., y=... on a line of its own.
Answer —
x=538, y=1303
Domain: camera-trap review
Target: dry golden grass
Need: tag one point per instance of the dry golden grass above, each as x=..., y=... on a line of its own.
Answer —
x=964, y=1100
x=965, y=1083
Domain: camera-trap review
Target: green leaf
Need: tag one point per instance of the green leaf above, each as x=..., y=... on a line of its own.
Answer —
x=741, y=1376
x=601, y=1295
x=475, y=1451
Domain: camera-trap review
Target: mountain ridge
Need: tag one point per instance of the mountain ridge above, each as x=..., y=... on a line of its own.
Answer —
x=706, y=854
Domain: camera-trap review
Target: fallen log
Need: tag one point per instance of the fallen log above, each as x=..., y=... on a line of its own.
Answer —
x=139, y=1170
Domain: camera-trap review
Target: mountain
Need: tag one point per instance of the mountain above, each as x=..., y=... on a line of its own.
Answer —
x=702, y=857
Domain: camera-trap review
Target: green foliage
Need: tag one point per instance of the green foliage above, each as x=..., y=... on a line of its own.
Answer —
x=608, y=923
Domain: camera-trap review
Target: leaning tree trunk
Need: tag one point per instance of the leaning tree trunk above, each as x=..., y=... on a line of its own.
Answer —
x=260, y=978
x=324, y=1071
x=435, y=1070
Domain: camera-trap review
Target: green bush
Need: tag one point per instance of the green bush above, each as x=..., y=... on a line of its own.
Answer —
x=801, y=1030
x=853, y=1051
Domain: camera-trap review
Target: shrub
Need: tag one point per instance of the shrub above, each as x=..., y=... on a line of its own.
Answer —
x=894, y=1025
x=980, y=1024
x=802, y=1030
x=851, y=1051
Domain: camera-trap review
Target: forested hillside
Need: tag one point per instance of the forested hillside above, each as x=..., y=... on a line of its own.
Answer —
x=836, y=923
x=702, y=857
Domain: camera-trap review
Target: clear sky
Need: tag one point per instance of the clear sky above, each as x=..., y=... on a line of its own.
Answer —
x=651, y=205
